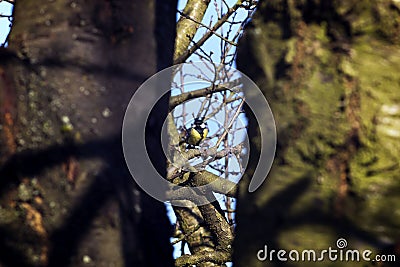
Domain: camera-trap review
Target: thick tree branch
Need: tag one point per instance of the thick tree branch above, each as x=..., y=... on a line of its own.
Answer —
x=200, y=241
x=218, y=226
x=186, y=29
x=174, y=171
x=217, y=184
x=183, y=237
x=185, y=55
x=217, y=257
x=179, y=99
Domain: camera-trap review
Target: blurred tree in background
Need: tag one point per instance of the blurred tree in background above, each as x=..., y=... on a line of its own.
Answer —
x=67, y=198
x=330, y=71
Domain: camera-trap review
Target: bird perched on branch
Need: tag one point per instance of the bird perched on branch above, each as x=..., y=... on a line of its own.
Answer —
x=197, y=133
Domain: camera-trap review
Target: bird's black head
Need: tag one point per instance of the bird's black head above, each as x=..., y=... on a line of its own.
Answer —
x=198, y=121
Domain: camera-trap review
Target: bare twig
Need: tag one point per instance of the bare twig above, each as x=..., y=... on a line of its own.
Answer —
x=8, y=35
x=226, y=171
x=221, y=138
x=8, y=1
x=179, y=99
x=208, y=28
x=186, y=235
x=182, y=58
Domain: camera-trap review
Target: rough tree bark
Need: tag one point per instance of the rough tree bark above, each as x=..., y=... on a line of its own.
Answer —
x=330, y=70
x=67, y=198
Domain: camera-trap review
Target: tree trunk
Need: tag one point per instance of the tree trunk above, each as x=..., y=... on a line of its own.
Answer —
x=67, y=198
x=330, y=71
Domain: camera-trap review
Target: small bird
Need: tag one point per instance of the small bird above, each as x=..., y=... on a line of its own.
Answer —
x=197, y=133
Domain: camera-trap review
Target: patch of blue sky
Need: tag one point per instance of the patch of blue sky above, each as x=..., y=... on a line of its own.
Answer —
x=212, y=47
x=213, y=44
x=5, y=24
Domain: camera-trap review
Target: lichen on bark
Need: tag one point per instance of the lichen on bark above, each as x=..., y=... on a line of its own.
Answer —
x=330, y=73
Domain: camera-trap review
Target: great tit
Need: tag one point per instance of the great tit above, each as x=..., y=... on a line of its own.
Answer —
x=197, y=133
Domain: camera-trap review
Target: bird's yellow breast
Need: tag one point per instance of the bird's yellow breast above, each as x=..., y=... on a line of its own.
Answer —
x=194, y=137
x=205, y=133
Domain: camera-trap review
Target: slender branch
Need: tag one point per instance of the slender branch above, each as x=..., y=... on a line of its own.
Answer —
x=177, y=100
x=226, y=4
x=182, y=58
x=6, y=40
x=228, y=100
x=8, y=1
x=175, y=172
x=226, y=171
x=184, y=236
x=208, y=28
x=230, y=124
